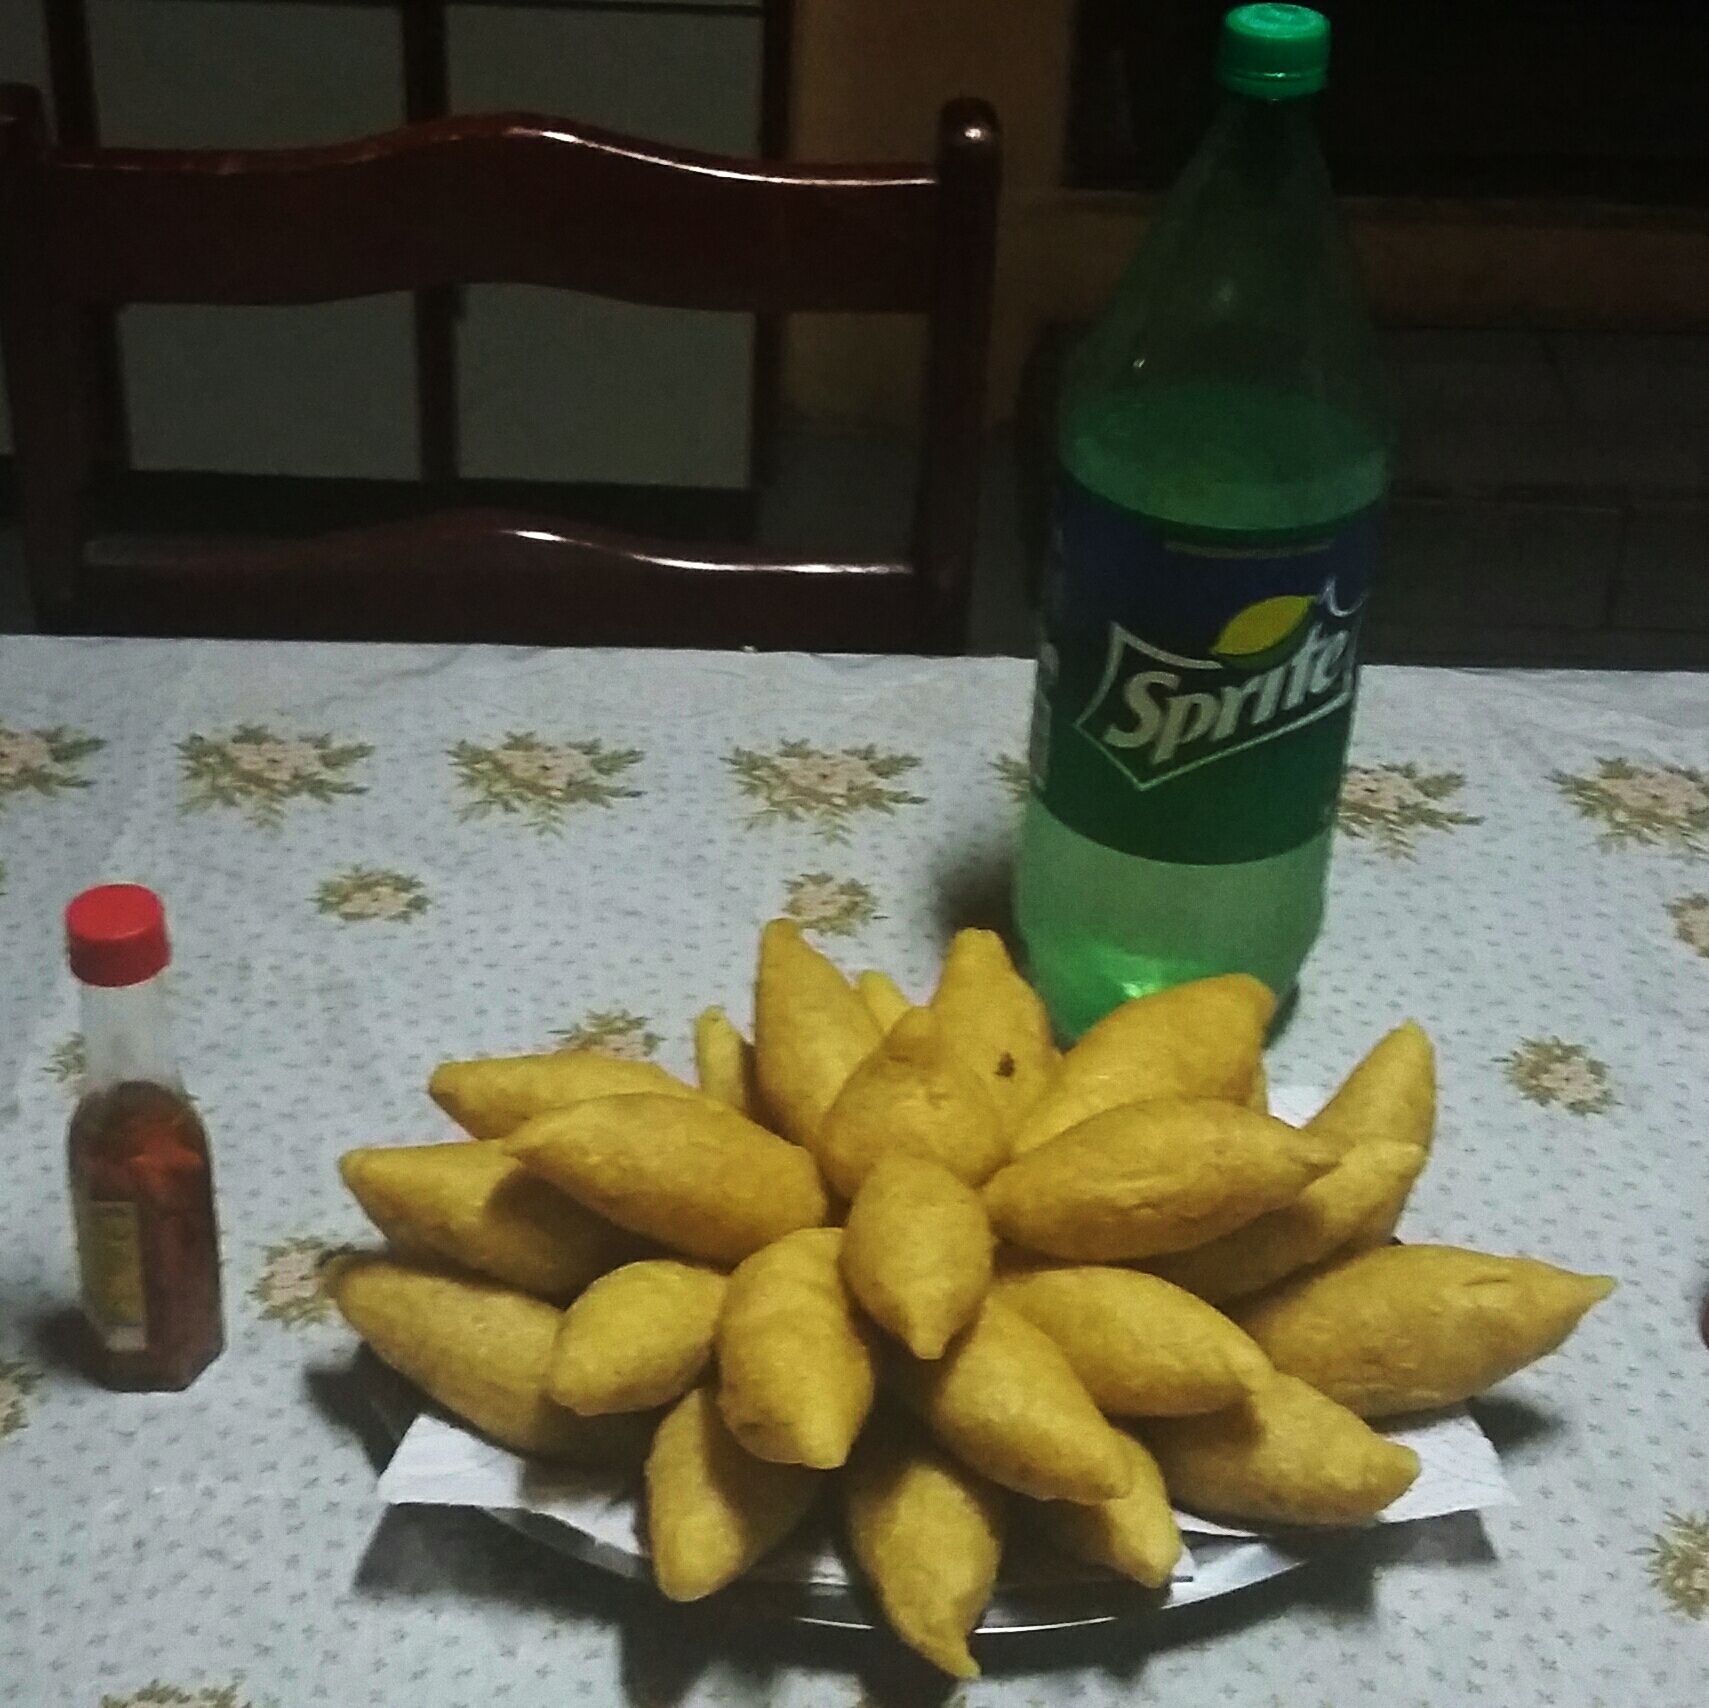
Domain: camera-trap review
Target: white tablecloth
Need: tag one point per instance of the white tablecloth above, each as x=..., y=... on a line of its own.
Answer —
x=375, y=857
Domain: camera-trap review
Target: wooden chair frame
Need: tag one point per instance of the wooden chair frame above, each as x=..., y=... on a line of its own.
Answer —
x=494, y=198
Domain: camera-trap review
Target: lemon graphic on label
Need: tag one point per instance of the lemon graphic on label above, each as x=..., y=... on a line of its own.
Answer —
x=1263, y=633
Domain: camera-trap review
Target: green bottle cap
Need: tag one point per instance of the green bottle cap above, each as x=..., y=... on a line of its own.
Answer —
x=1277, y=53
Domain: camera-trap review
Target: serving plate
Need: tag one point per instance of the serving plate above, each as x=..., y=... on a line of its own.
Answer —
x=1035, y=1593
x=596, y=1518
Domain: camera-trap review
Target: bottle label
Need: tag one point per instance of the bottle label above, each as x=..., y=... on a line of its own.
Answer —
x=1194, y=698
x=109, y=1249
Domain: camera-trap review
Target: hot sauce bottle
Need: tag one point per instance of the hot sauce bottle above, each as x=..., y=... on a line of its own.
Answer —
x=141, y=1180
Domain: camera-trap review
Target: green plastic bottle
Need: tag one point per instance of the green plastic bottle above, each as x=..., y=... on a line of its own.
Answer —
x=1225, y=448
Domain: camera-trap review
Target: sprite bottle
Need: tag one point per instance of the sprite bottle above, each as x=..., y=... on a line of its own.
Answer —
x=1225, y=449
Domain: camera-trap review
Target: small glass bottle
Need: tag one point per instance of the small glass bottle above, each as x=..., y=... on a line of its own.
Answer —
x=141, y=1179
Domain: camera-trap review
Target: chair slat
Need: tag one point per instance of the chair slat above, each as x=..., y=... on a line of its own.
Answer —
x=505, y=197
x=496, y=577
x=501, y=198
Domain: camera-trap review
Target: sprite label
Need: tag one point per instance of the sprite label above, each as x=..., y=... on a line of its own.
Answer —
x=1195, y=690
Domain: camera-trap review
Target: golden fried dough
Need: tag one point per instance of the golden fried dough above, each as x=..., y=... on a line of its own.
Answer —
x=917, y=1251
x=638, y=1338
x=1367, y=1184
x=1287, y=1456
x=1391, y=1094
x=1136, y=1535
x=993, y=1020
x=1005, y=1400
x=883, y=998
x=492, y=1096
x=724, y=1063
x=1410, y=1327
x=712, y=1509
x=928, y=1536
x=480, y=1350
x=477, y=1208
x=1200, y=1039
x=1259, y=1096
x=693, y=1175
x=811, y=1031
x=911, y=1095
x=1142, y=1347
x=795, y=1366
x=1152, y=1177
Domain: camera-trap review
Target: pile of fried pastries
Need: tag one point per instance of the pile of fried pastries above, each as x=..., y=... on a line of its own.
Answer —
x=918, y=1262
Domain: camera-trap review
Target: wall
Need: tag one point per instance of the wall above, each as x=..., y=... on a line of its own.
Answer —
x=867, y=80
x=869, y=75
x=23, y=59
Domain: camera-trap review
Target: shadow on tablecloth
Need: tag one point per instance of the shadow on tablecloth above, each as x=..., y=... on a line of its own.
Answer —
x=461, y=1558
x=458, y=1556
x=971, y=886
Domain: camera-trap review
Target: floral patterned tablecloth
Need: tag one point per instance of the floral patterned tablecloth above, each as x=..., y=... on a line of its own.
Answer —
x=374, y=857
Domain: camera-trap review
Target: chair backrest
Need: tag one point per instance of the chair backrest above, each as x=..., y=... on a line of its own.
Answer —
x=495, y=198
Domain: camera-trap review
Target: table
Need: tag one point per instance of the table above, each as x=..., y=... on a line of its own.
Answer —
x=374, y=857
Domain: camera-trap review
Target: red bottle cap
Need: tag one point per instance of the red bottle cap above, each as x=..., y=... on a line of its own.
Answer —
x=115, y=934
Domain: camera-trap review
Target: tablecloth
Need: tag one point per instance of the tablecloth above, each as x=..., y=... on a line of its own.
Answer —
x=375, y=857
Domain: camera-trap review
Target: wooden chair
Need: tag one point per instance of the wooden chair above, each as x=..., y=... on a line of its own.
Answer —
x=503, y=197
